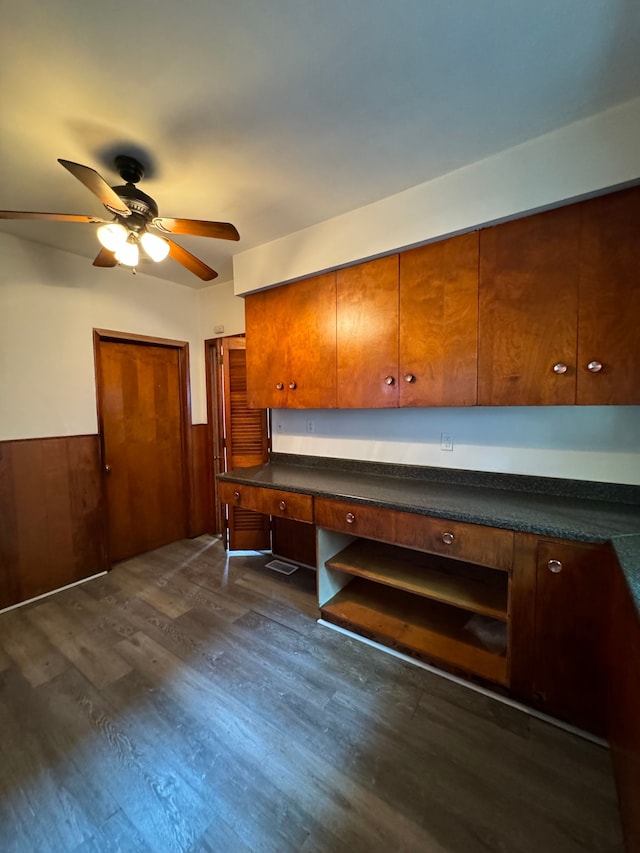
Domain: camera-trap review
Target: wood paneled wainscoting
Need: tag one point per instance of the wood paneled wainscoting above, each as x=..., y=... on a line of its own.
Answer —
x=52, y=530
x=51, y=515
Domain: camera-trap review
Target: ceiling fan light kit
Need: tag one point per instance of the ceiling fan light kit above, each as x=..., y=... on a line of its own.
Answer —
x=135, y=212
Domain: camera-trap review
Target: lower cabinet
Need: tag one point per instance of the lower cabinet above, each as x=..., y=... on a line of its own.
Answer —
x=572, y=617
x=451, y=612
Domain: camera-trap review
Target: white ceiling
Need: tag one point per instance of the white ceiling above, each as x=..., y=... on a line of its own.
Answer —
x=277, y=115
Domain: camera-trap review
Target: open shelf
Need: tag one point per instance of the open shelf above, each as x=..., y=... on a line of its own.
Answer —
x=412, y=623
x=475, y=588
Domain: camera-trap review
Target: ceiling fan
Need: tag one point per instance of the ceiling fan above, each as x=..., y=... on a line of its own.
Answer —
x=135, y=214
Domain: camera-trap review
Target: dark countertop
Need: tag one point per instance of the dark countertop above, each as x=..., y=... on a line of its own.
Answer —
x=564, y=509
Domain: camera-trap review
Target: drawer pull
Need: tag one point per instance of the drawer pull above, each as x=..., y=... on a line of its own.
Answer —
x=279, y=386
x=236, y=496
x=554, y=566
x=448, y=538
x=560, y=368
x=282, y=505
x=350, y=517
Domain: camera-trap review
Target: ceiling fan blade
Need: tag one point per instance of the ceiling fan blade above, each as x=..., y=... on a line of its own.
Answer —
x=193, y=264
x=56, y=217
x=197, y=228
x=105, y=258
x=98, y=186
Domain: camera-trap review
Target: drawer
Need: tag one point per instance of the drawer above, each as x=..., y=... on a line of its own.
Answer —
x=267, y=501
x=486, y=546
x=357, y=519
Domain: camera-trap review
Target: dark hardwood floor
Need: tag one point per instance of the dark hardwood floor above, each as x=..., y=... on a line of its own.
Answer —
x=190, y=702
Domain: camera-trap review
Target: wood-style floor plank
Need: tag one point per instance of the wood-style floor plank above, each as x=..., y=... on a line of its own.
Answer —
x=188, y=701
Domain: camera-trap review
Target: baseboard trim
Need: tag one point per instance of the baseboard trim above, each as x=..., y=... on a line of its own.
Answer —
x=505, y=700
x=51, y=592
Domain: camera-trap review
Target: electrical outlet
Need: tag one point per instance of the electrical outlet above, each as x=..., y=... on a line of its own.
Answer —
x=218, y=330
x=446, y=441
x=278, y=426
x=311, y=427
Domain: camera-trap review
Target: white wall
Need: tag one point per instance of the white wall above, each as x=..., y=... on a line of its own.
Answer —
x=50, y=301
x=219, y=306
x=582, y=158
x=582, y=443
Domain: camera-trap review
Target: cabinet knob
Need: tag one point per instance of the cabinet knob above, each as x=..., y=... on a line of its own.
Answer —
x=448, y=538
x=559, y=368
x=594, y=366
x=292, y=386
x=409, y=377
x=107, y=468
x=389, y=380
x=554, y=566
x=280, y=386
x=282, y=505
x=236, y=496
x=350, y=517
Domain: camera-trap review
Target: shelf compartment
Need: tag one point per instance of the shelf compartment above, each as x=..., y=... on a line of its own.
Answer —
x=478, y=589
x=416, y=625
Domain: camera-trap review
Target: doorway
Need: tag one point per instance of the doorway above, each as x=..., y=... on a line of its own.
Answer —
x=142, y=387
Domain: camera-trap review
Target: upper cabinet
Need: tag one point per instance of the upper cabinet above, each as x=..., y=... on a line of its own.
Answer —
x=291, y=345
x=439, y=323
x=559, y=302
x=609, y=310
x=528, y=310
x=540, y=311
x=367, y=338
x=408, y=327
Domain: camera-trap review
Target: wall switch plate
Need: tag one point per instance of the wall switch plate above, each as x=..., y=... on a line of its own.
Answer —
x=446, y=441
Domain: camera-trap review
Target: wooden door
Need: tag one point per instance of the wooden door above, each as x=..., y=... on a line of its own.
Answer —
x=571, y=624
x=438, y=364
x=142, y=404
x=528, y=306
x=367, y=335
x=245, y=445
x=609, y=309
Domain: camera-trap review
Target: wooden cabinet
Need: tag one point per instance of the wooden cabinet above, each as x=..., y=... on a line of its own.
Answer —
x=291, y=345
x=609, y=307
x=367, y=336
x=438, y=331
x=453, y=612
x=558, y=307
x=573, y=594
x=528, y=310
x=268, y=501
x=408, y=328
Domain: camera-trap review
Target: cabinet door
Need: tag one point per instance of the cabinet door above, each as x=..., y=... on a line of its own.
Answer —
x=439, y=323
x=528, y=307
x=368, y=335
x=311, y=343
x=267, y=323
x=291, y=345
x=610, y=300
x=571, y=632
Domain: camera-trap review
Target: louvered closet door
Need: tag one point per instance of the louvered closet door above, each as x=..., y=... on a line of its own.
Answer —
x=246, y=445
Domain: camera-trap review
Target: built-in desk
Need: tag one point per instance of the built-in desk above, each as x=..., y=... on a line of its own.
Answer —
x=531, y=585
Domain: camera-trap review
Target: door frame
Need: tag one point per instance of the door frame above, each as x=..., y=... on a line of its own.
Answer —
x=215, y=419
x=182, y=348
